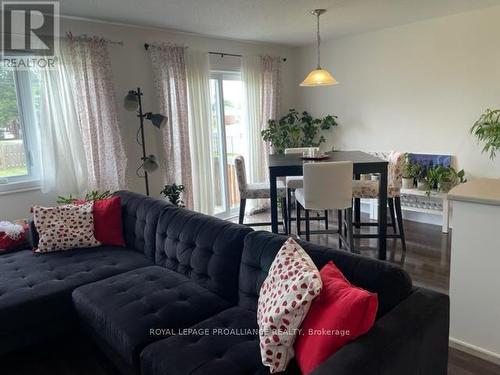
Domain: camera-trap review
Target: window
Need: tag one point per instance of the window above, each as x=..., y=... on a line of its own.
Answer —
x=19, y=111
x=228, y=138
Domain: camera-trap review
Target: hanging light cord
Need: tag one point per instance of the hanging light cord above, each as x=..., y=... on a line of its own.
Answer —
x=318, y=38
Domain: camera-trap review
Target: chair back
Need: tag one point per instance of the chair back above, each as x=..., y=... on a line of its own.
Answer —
x=328, y=185
x=396, y=161
x=299, y=150
x=241, y=174
x=395, y=169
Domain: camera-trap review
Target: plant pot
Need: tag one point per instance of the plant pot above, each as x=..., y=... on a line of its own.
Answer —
x=408, y=183
x=422, y=185
x=446, y=186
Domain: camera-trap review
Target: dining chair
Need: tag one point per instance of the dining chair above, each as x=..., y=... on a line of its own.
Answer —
x=296, y=182
x=256, y=191
x=327, y=186
x=363, y=189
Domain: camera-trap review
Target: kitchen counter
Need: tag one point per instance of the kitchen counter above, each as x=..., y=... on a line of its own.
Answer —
x=481, y=190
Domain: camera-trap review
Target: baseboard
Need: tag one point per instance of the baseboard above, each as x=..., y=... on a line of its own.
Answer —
x=475, y=351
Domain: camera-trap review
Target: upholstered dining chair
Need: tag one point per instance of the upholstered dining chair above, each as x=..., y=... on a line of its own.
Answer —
x=327, y=186
x=370, y=190
x=295, y=182
x=256, y=191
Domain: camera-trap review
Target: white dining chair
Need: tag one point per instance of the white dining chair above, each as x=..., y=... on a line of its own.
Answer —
x=295, y=182
x=327, y=186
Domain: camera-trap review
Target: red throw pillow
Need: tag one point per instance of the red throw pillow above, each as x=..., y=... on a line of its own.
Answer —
x=108, y=221
x=340, y=314
x=9, y=242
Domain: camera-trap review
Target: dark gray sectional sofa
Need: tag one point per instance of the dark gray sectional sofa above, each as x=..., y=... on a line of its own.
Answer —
x=182, y=270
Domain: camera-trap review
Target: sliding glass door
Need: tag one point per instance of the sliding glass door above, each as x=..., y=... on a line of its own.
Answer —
x=228, y=138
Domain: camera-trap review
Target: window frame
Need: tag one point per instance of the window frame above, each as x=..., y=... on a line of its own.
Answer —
x=220, y=76
x=28, y=121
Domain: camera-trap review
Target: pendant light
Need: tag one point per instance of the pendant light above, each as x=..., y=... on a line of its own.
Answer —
x=319, y=76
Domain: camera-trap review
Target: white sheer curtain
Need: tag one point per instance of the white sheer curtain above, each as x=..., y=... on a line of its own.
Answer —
x=97, y=110
x=63, y=160
x=198, y=82
x=169, y=75
x=81, y=144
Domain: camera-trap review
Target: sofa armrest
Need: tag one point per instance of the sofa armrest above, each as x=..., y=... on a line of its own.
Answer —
x=411, y=339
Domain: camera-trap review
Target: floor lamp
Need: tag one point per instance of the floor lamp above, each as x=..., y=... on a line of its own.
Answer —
x=133, y=102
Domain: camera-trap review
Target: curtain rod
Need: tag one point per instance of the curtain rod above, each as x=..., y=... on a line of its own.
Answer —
x=119, y=42
x=221, y=54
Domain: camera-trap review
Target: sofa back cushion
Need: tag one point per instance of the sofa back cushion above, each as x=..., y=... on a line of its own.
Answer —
x=205, y=249
x=391, y=283
x=140, y=215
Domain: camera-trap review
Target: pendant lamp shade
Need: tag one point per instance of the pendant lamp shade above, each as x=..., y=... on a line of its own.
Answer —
x=319, y=76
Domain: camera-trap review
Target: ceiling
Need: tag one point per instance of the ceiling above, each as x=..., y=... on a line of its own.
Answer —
x=279, y=21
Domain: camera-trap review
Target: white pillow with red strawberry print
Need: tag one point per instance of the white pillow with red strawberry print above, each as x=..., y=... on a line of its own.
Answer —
x=64, y=227
x=292, y=283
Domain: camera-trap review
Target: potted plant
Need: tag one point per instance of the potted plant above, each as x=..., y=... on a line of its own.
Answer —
x=487, y=130
x=174, y=194
x=421, y=177
x=91, y=196
x=297, y=130
x=410, y=172
x=443, y=179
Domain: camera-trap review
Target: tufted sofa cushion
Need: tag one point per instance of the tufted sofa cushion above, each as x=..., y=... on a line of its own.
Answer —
x=121, y=310
x=224, y=344
x=205, y=249
x=35, y=289
x=140, y=216
x=391, y=283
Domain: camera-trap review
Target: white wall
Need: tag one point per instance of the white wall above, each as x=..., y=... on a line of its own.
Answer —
x=416, y=88
x=131, y=69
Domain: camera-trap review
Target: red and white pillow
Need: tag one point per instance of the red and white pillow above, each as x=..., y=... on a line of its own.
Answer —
x=292, y=283
x=64, y=227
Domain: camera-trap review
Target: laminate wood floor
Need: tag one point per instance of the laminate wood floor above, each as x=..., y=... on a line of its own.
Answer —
x=427, y=261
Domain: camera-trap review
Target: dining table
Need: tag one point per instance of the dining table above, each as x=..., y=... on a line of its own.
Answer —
x=281, y=165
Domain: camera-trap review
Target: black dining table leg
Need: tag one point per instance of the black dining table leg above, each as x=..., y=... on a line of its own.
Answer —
x=357, y=207
x=382, y=215
x=274, y=202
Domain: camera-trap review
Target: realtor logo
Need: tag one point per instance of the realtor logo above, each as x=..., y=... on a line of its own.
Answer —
x=30, y=27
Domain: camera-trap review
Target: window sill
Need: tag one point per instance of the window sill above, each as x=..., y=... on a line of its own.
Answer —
x=19, y=187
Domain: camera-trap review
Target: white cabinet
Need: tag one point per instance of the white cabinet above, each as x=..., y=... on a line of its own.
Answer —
x=475, y=268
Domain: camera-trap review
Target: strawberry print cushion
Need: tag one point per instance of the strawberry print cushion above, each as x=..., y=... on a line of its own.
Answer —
x=292, y=283
x=64, y=227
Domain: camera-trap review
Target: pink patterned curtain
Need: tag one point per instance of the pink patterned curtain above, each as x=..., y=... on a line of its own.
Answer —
x=169, y=75
x=271, y=83
x=97, y=113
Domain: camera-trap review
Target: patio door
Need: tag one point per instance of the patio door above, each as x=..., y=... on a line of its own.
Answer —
x=229, y=137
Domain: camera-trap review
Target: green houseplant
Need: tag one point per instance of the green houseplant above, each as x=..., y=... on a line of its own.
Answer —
x=91, y=196
x=487, y=131
x=443, y=179
x=297, y=130
x=174, y=194
x=410, y=172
